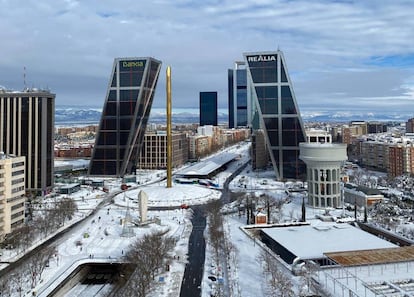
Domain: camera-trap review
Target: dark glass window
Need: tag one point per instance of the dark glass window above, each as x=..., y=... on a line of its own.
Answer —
x=113, y=84
x=241, y=78
x=112, y=95
x=128, y=95
x=125, y=123
x=292, y=133
x=123, y=139
x=288, y=106
x=283, y=74
x=108, y=123
x=127, y=108
x=110, y=109
x=273, y=137
x=107, y=138
x=267, y=97
x=242, y=98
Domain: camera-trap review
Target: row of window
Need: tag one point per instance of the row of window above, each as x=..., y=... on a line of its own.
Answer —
x=323, y=189
x=18, y=181
x=323, y=174
x=18, y=189
x=18, y=172
x=17, y=164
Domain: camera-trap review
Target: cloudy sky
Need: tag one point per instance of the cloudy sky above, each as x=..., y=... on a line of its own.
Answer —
x=341, y=55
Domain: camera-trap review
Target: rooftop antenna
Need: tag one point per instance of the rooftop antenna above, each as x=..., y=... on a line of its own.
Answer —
x=24, y=77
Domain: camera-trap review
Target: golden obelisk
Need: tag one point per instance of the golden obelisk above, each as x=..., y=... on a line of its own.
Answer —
x=169, y=134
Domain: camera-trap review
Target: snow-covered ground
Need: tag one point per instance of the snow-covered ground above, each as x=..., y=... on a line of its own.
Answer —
x=109, y=232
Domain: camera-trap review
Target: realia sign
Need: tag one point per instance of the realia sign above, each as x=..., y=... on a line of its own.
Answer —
x=261, y=58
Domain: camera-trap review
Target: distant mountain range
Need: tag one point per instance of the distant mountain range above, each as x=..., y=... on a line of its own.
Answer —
x=85, y=115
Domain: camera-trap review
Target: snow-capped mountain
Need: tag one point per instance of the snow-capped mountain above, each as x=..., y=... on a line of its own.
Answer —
x=83, y=115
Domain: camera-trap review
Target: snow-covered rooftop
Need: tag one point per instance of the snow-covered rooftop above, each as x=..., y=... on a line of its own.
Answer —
x=208, y=166
x=312, y=241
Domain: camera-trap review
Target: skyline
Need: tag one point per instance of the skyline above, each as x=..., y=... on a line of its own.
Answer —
x=341, y=55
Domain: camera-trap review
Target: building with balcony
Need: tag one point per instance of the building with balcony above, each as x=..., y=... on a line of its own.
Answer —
x=12, y=193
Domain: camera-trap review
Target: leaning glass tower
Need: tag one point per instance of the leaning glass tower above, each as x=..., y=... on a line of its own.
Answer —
x=274, y=109
x=124, y=117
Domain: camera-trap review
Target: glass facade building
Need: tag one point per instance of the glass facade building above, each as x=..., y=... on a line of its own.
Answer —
x=273, y=105
x=237, y=93
x=124, y=117
x=238, y=102
x=208, y=108
x=27, y=122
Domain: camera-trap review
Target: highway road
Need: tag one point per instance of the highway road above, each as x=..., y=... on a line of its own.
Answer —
x=191, y=284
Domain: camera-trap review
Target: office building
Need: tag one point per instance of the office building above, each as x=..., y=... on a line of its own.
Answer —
x=12, y=193
x=125, y=115
x=237, y=93
x=154, y=151
x=323, y=161
x=208, y=108
x=275, y=111
x=27, y=121
x=409, y=126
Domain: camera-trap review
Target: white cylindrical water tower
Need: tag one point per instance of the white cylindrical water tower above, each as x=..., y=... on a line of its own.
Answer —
x=323, y=161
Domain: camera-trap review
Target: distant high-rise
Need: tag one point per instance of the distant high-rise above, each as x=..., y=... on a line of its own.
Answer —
x=208, y=108
x=27, y=121
x=125, y=115
x=409, y=126
x=237, y=93
x=274, y=109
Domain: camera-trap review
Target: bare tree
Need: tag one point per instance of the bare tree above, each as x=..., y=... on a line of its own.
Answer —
x=5, y=287
x=17, y=282
x=278, y=283
x=38, y=262
x=148, y=255
x=215, y=227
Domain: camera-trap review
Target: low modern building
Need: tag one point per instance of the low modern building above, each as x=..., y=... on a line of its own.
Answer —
x=361, y=195
x=12, y=193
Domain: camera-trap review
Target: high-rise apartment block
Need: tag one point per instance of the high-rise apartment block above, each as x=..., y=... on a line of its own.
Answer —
x=27, y=121
x=12, y=193
x=275, y=111
x=237, y=93
x=208, y=108
x=401, y=159
x=124, y=117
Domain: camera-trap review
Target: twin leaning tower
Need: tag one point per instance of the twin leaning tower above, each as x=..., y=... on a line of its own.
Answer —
x=272, y=107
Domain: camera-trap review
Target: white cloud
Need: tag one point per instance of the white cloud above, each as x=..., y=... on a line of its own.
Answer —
x=70, y=45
